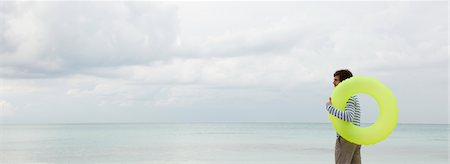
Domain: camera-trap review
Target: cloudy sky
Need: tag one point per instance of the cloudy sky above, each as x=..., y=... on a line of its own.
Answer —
x=77, y=62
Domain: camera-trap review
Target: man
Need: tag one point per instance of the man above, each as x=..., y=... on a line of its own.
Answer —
x=345, y=151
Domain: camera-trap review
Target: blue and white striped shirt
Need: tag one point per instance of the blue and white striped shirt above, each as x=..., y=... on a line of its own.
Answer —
x=352, y=112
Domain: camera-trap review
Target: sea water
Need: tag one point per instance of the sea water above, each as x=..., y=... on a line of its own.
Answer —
x=210, y=143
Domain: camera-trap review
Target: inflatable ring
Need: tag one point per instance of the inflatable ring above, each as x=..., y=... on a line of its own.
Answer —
x=388, y=114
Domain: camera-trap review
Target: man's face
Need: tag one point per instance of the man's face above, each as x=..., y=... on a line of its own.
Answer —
x=336, y=81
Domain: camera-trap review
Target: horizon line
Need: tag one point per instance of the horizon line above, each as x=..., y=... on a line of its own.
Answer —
x=198, y=122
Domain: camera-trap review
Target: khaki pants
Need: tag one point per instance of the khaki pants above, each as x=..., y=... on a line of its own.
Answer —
x=347, y=152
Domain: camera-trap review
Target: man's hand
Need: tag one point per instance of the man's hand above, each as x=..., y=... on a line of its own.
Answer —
x=329, y=102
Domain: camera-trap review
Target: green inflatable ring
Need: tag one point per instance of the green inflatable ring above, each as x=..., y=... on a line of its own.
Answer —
x=388, y=114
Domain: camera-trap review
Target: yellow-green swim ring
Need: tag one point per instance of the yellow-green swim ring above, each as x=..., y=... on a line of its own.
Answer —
x=387, y=104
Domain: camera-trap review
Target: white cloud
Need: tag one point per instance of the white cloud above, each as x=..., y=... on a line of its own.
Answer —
x=367, y=36
x=63, y=40
x=41, y=39
x=181, y=81
x=183, y=56
x=236, y=71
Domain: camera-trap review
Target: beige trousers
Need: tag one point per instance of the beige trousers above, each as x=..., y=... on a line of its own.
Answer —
x=347, y=152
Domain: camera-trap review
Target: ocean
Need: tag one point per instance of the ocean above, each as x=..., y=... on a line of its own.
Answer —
x=210, y=143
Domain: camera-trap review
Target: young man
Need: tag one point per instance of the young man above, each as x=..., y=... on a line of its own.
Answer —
x=345, y=151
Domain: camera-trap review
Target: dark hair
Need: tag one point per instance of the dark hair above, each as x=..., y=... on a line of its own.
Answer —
x=343, y=74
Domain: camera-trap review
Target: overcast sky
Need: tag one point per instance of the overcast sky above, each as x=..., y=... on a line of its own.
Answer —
x=75, y=62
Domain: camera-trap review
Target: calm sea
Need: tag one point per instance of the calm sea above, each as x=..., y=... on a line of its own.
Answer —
x=210, y=143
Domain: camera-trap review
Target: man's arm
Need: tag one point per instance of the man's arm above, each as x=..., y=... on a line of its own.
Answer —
x=347, y=114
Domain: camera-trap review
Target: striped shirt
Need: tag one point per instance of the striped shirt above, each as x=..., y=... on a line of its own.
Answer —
x=352, y=112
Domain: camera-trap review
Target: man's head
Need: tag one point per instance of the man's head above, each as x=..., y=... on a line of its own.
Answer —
x=341, y=75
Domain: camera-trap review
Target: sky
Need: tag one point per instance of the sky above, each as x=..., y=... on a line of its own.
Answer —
x=97, y=62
